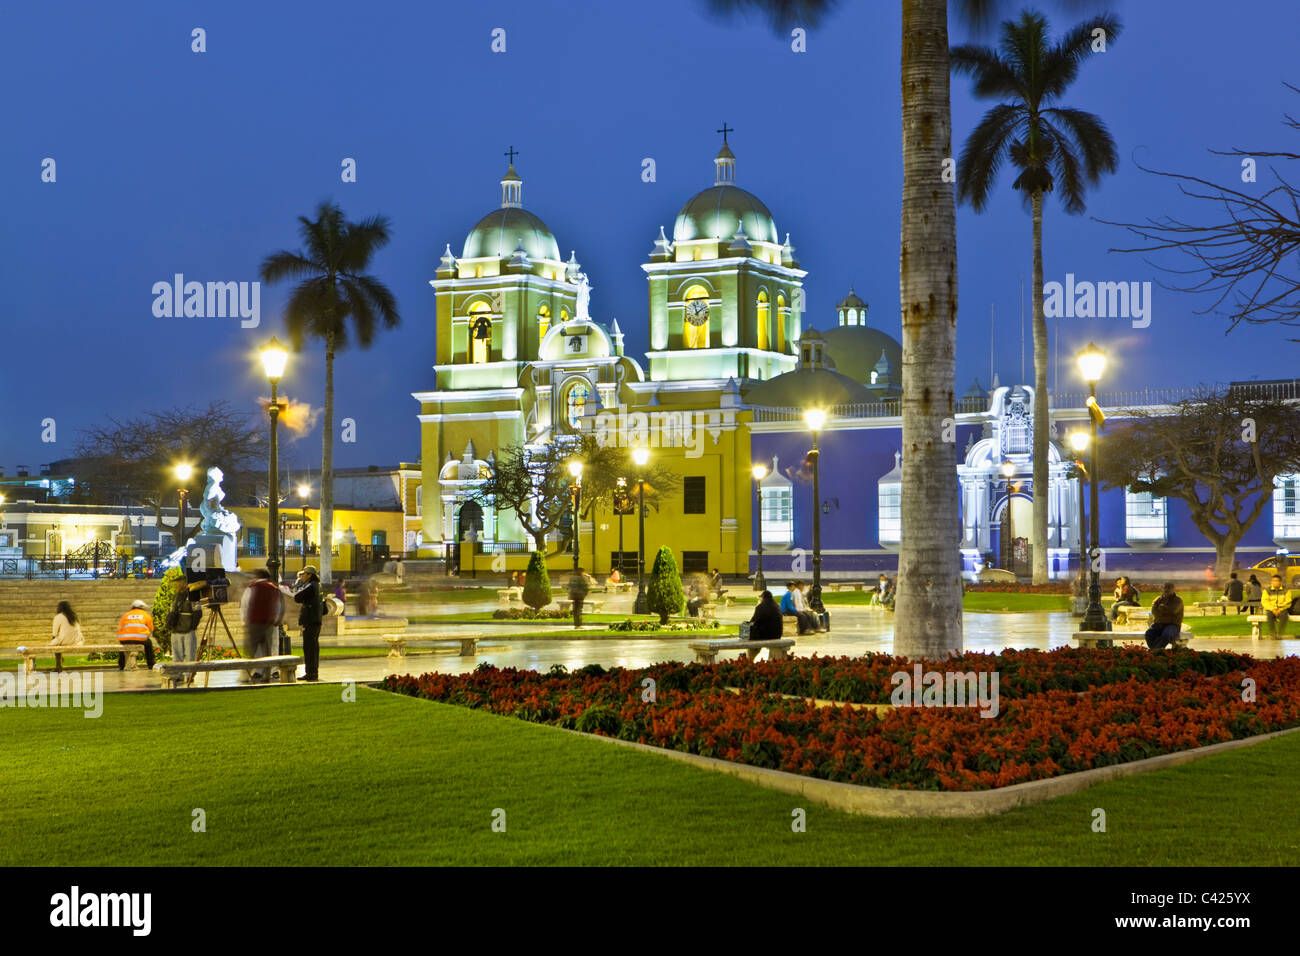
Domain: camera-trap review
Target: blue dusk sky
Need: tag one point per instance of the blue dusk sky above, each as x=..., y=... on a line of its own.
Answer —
x=171, y=161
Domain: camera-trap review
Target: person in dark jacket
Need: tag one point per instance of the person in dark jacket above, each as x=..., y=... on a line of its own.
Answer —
x=1235, y=591
x=579, y=588
x=1166, y=618
x=766, y=624
x=307, y=593
x=1126, y=595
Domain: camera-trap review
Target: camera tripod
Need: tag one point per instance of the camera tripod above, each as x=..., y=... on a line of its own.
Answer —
x=210, y=636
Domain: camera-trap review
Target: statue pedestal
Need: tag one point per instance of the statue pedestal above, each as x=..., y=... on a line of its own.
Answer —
x=218, y=550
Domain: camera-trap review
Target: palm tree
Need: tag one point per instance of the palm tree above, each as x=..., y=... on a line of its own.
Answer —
x=334, y=289
x=1050, y=147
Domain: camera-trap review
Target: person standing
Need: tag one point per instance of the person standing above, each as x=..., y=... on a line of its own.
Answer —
x=1166, y=618
x=183, y=621
x=66, y=628
x=136, y=627
x=1276, y=602
x=307, y=593
x=579, y=588
x=261, y=609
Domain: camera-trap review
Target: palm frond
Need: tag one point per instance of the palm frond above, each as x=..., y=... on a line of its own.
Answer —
x=984, y=153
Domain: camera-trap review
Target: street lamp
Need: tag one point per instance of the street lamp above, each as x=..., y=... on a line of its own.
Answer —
x=184, y=472
x=1092, y=363
x=303, y=492
x=640, y=456
x=575, y=469
x=759, y=472
x=274, y=358
x=620, y=496
x=816, y=418
x=1009, y=539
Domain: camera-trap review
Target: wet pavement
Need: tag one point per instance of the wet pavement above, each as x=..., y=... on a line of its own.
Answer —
x=855, y=631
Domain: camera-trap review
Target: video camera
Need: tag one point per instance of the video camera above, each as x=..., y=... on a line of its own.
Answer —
x=211, y=586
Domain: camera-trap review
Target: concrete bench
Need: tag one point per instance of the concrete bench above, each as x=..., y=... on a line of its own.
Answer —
x=1133, y=615
x=708, y=612
x=1256, y=624
x=397, y=645
x=1228, y=607
x=707, y=651
x=510, y=596
x=29, y=654
x=588, y=607
x=622, y=587
x=1107, y=638
x=173, y=671
x=845, y=585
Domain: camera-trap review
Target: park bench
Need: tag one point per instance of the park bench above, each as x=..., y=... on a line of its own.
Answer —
x=1133, y=615
x=173, y=671
x=1250, y=606
x=510, y=595
x=622, y=587
x=707, y=651
x=1107, y=638
x=708, y=612
x=588, y=607
x=1256, y=622
x=29, y=654
x=846, y=585
x=397, y=645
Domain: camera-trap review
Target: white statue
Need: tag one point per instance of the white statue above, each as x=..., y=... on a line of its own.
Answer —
x=219, y=526
x=584, y=296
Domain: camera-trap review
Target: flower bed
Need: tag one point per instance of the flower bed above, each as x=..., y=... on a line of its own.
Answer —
x=1061, y=711
x=528, y=614
x=631, y=625
x=1056, y=587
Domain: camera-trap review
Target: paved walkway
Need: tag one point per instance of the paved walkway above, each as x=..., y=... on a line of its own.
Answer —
x=856, y=630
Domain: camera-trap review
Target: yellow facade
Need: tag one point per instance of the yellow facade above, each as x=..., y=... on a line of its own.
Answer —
x=365, y=525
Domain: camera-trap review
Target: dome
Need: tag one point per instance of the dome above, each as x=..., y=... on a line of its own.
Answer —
x=856, y=350
x=851, y=301
x=714, y=212
x=809, y=388
x=503, y=230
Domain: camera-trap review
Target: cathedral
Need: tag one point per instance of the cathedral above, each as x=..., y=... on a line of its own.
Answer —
x=734, y=363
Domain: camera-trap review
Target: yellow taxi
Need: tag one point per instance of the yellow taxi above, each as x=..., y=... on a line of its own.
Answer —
x=1287, y=565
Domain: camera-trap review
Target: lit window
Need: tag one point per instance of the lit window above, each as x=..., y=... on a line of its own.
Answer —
x=1145, y=517
x=480, y=334
x=543, y=321
x=762, y=319
x=778, y=515
x=1286, y=507
x=575, y=403
x=890, y=496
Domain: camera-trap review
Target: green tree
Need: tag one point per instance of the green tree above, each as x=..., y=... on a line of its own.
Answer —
x=334, y=289
x=537, y=582
x=163, y=599
x=1052, y=148
x=664, y=593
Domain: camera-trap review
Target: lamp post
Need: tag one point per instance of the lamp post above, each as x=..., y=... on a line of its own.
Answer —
x=575, y=469
x=1009, y=539
x=303, y=492
x=620, y=496
x=816, y=418
x=1079, y=442
x=640, y=456
x=759, y=472
x=274, y=357
x=184, y=471
x=1092, y=363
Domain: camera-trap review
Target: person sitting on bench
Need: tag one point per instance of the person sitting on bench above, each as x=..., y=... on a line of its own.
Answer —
x=136, y=627
x=1277, y=606
x=804, y=620
x=1126, y=595
x=1235, y=592
x=766, y=624
x=1166, y=618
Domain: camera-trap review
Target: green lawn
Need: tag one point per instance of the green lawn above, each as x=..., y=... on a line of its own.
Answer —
x=296, y=775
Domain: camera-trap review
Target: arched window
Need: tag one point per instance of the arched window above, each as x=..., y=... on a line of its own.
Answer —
x=480, y=333
x=564, y=315
x=779, y=344
x=543, y=320
x=419, y=500
x=695, y=320
x=763, y=315
x=575, y=402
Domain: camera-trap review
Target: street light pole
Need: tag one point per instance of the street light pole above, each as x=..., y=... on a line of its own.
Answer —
x=642, y=606
x=1092, y=361
x=273, y=360
x=621, y=496
x=816, y=418
x=575, y=469
x=759, y=472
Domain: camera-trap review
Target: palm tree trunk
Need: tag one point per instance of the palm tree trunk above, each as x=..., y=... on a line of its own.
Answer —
x=1042, y=413
x=327, y=470
x=927, y=619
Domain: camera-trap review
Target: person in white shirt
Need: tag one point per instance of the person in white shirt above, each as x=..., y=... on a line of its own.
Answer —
x=66, y=627
x=802, y=609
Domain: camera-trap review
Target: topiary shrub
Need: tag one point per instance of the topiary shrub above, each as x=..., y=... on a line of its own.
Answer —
x=664, y=596
x=163, y=599
x=537, y=583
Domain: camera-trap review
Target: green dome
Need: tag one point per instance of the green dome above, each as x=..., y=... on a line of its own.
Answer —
x=808, y=388
x=501, y=231
x=855, y=350
x=713, y=214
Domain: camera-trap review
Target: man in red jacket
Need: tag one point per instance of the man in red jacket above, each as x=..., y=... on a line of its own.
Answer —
x=261, y=610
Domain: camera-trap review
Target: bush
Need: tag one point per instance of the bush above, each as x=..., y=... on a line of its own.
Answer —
x=664, y=596
x=692, y=625
x=600, y=719
x=537, y=583
x=528, y=614
x=162, y=604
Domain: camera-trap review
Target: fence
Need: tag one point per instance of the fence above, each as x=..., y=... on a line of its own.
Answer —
x=68, y=568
